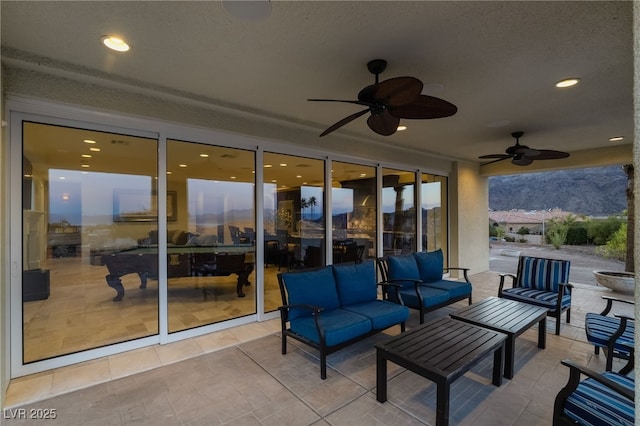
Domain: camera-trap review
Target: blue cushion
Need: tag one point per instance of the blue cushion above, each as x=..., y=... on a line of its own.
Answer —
x=592, y=403
x=382, y=314
x=542, y=274
x=317, y=288
x=430, y=265
x=356, y=283
x=403, y=267
x=456, y=289
x=545, y=299
x=600, y=328
x=430, y=297
x=339, y=326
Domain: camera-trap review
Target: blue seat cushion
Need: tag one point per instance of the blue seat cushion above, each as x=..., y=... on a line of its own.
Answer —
x=403, y=267
x=317, y=288
x=430, y=297
x=542, y=274
x=546, y=299
x=600, y=328
x=595, y=404
x=339, y=326
x=430, y=265
x=356, y=283
x=456, y=289
x=382, y=314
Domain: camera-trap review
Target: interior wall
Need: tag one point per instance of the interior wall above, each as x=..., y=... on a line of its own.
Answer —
x=469, y=232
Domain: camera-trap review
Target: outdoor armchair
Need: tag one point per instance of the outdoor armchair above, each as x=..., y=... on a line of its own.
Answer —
x=542, y=282
x=614, y=334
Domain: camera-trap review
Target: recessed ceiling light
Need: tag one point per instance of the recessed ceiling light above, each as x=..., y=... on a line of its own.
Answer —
x=115, y=43
x=267, y=166
x=94, y=149
x=204, y=155
x=182, y=165
x=89, y=141
x=86, y=155
x=299, y=176
x=283, y=164
x=616, y=138
x=401, y=128
x=232, y=177
x=567, y=82
x=84, y=165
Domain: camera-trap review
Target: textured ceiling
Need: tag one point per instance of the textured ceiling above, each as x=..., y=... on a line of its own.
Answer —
x=497, y=61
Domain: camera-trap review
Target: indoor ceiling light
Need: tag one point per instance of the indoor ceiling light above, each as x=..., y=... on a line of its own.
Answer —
x=401, y=128
x=567, y=82
x=89, y=141
x=616, y=138
x=94, y=149
x=115, y=43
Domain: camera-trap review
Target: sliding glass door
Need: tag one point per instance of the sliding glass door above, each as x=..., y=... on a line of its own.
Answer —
x=210, y=234
x=87, y=199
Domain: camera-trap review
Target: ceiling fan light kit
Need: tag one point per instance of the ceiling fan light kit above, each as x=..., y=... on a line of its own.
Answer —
x=522, y=155
x=390, y=100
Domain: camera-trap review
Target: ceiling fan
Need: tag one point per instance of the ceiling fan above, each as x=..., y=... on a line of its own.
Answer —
x=522, y=155
x=390, y=100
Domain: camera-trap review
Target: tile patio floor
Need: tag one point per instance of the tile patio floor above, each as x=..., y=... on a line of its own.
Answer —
x=239, y=377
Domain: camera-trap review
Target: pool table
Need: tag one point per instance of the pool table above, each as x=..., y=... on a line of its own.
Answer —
x=182, y=261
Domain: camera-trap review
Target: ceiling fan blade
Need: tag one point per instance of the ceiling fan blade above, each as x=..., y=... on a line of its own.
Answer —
x=424, y=107
x=396, y=91
x=495, y=161
x=383, y=123
x=500, y=156
x=343, y=100
x=344, y=121
x=547, y=154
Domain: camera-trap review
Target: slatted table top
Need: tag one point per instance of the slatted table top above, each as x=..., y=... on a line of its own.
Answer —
x=506, y=316
x=441, y=350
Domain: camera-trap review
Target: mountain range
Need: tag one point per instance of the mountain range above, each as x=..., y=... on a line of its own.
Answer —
x=598, y=191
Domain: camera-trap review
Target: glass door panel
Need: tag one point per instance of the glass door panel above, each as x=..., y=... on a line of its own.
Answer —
x=87, y=198
x=353, y=211
x=210, y=234
x=398, y=211
x=294, y=218
x=434, y=213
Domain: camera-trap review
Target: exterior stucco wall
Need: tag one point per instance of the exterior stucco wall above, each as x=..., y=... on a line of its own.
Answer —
x=469, y=231
x=4, y=259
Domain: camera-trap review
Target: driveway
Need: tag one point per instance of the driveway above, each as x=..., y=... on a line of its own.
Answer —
x=503, y=258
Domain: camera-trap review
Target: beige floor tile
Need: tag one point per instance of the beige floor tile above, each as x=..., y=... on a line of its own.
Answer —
x=178, y=351
x=81, y=375
x=132, y=362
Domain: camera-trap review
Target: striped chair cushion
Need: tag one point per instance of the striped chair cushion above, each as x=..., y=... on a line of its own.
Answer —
x=545, y=299
x=600, y=328
x=592, y=403
x=543, y=274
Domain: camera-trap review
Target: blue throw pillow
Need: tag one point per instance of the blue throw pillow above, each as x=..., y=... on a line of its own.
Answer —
x=317, y=288
x=356, y=283
x=430, y=265
x=403, y=266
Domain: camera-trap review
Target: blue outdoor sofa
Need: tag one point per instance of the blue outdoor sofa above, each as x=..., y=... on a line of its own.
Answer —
x=416, y=280
x=334, y=306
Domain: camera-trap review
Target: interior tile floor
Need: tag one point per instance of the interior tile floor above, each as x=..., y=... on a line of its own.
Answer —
x=239, y=377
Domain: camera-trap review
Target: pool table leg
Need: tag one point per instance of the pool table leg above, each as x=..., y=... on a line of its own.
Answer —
x=114, y=282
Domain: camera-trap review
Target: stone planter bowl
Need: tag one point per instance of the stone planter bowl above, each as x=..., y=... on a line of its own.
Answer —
x=620, y=282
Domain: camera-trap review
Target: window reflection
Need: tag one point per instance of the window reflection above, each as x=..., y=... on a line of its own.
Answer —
x=398, y=211
x=353, y=198
x=434, y=212
x=75, y=221
x=294, y=220
x=211, y=239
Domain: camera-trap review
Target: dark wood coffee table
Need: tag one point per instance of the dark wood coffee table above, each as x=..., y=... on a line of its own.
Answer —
x=509, y=317
x=441, y=350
